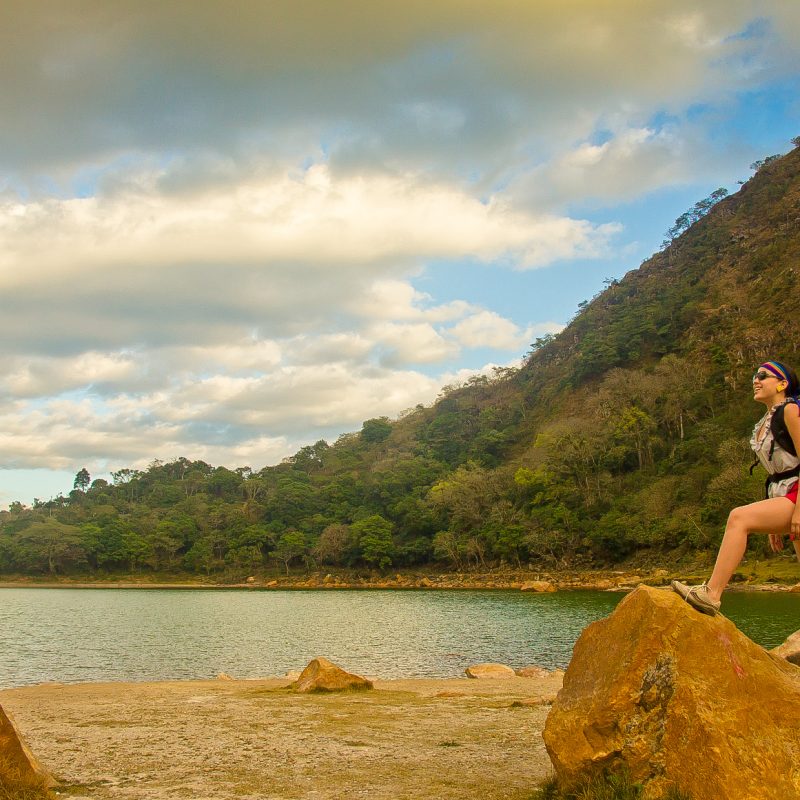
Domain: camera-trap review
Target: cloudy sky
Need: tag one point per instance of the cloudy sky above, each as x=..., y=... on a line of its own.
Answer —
x=231, y=229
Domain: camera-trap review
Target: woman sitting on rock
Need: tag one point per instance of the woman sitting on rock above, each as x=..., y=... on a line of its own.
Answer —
x=776, y=443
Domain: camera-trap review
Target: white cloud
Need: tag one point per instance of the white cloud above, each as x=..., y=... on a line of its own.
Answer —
x=31, y=377
x=264, y=419
x=413, y=343
x=313, y=219
x=488, y=329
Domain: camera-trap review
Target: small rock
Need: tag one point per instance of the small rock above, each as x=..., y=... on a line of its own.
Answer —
x=489, y=670
x=322, y=675
x=223, y=676
x=328, y=579
x=425, y=581
x=795, y=588
x=272, y=583
x=790, y=649
x=251, y=579
x=533, y=672
x=537, y=586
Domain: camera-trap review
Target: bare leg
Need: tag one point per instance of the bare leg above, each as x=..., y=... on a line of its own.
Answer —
x=796, y=544
x=766, y=516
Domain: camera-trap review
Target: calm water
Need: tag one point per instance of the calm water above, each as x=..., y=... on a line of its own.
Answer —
x=70, y=635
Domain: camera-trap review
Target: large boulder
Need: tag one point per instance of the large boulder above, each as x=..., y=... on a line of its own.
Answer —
x=679, y=699
x=790, y=649
x=489, y=670
x=18, y=764
x=322, y=675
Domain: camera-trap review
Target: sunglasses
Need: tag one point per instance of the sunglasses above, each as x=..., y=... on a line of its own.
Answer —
x=762, y=376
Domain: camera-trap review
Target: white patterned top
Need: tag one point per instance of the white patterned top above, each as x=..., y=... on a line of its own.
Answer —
x=780, y=461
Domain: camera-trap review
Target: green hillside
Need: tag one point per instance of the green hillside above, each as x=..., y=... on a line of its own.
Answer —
x=622, y=437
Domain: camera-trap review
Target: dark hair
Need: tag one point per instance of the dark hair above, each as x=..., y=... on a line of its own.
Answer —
x=793, y=389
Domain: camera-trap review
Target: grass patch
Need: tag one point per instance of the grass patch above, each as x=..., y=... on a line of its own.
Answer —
x=14, y=787
x=777, y=569
x=619, y=786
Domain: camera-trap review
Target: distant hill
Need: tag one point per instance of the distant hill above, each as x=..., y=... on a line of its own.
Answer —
x=624, y=435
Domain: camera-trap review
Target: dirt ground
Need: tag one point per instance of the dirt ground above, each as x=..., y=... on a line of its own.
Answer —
x=220, y=740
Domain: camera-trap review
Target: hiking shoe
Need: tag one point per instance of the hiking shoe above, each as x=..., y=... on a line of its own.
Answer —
x=697, y=597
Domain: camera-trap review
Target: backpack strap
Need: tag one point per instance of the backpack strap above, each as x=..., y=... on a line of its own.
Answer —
x=780, y=433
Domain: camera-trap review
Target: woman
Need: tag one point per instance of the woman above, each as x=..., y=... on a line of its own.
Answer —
x=776, y=386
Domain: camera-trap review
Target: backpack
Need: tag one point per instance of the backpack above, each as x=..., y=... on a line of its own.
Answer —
x=779, y=430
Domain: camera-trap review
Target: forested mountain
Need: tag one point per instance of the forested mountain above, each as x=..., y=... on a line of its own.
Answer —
x=624, y=435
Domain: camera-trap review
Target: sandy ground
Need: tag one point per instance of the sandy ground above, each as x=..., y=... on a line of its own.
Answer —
x=214, y=740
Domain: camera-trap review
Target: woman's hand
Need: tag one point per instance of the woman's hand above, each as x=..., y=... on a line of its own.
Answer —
x=794, y=528
x=776, y=542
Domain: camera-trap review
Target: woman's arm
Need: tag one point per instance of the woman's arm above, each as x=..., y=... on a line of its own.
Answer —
x=791, y=416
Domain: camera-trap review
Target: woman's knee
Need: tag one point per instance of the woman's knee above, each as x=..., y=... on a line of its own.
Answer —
x=738, y=518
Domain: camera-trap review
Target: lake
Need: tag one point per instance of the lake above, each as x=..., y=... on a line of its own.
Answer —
x=72, y=635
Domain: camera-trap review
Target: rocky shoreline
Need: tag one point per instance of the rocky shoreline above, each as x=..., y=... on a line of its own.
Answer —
x=600, y=580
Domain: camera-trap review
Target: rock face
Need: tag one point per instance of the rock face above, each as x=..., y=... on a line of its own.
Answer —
x=322, y=675
x=16, y=759
x=489, y=670
x=679, y=698
x=790, y=649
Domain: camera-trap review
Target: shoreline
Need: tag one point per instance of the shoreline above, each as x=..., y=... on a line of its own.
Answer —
x=596, y=580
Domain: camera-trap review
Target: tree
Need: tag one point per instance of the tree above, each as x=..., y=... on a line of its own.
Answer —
x=82, y=479
x=448, y=547
x=200, y=555
x=696, y=212
x=333, y=544
x=291, y=546
x=376, y=430
x=164, y=543
x=757, y=165
x=374, y=538
x=49, y=545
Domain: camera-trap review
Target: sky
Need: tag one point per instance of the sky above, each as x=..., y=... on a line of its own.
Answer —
x=228, y=230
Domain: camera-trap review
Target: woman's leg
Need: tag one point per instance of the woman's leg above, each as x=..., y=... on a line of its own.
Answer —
x=766, y=516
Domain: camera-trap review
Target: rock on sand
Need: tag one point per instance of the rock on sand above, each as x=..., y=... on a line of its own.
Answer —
x=489, y=670
x=322, y=675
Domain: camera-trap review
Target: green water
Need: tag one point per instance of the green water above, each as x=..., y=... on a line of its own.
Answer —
x=69, y=635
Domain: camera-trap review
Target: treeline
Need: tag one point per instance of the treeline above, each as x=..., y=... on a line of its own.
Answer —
x=625, y=435
x=648, y=460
